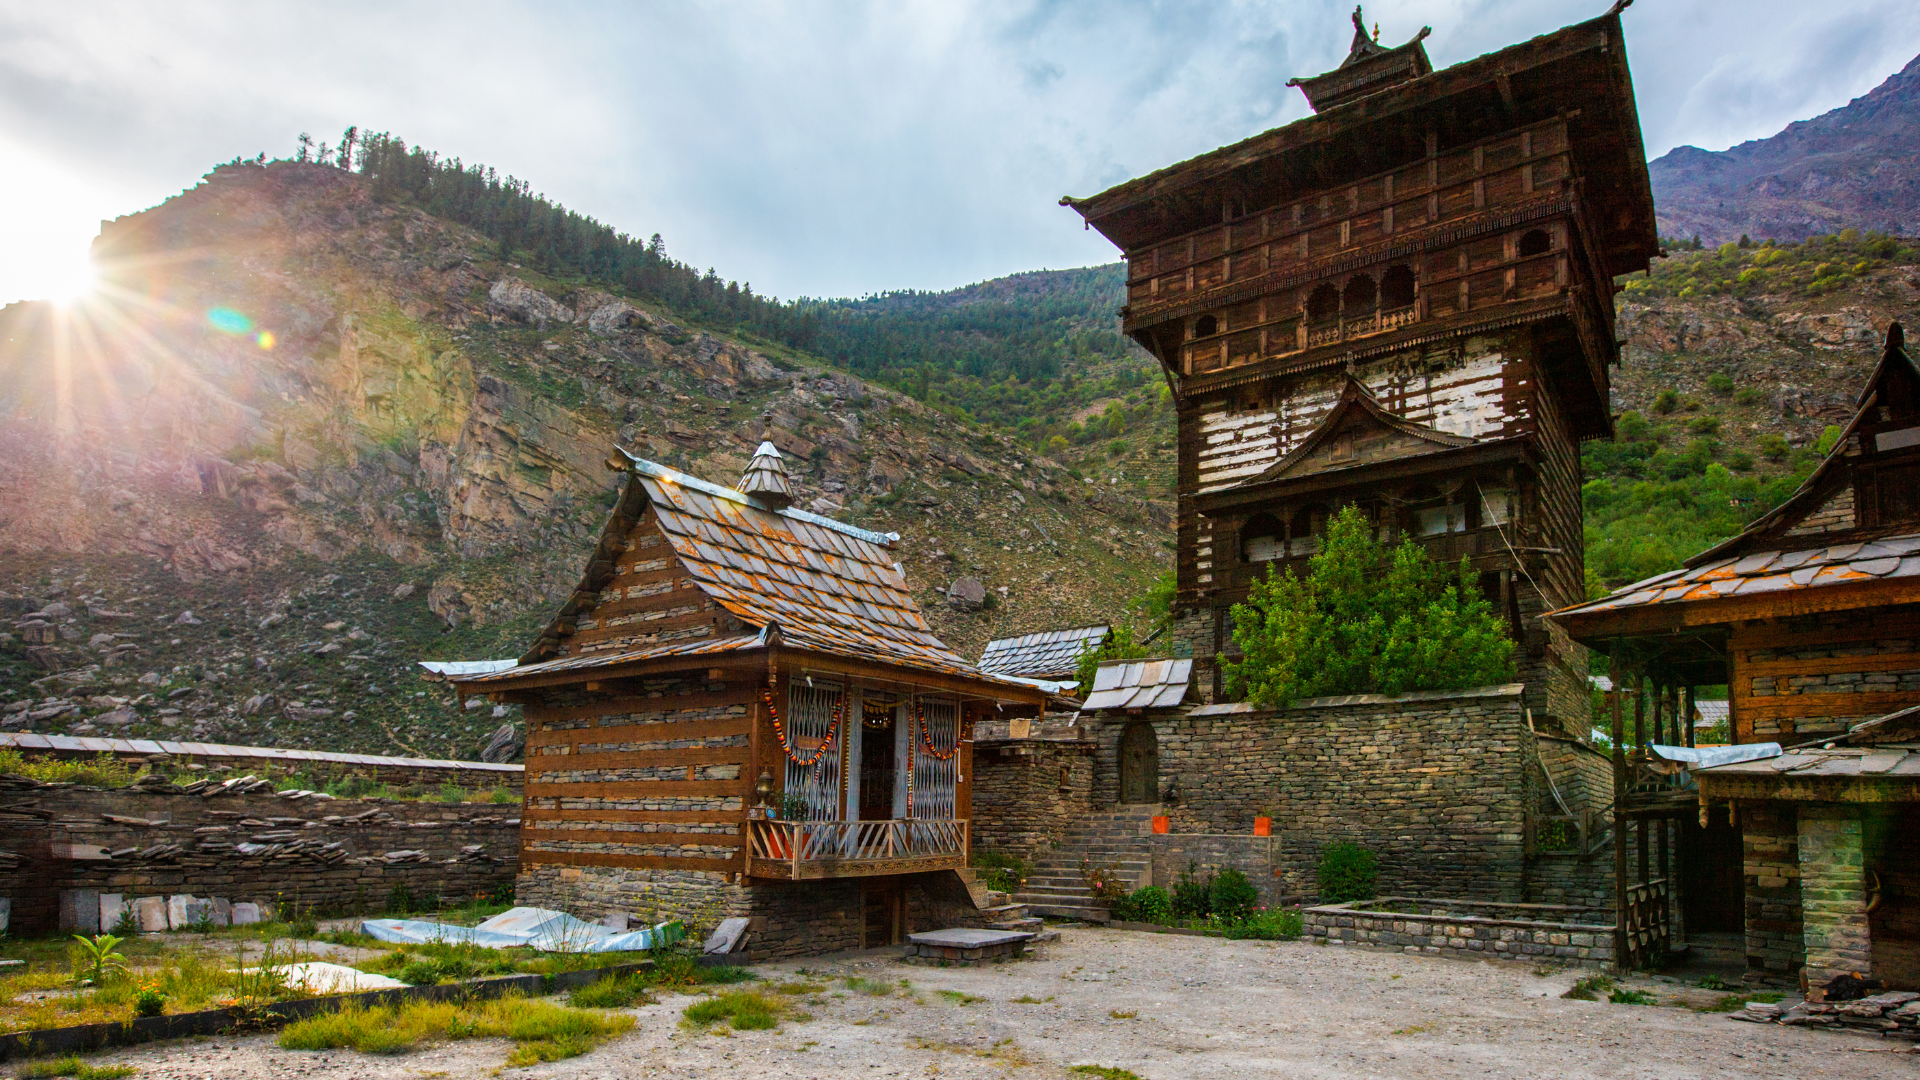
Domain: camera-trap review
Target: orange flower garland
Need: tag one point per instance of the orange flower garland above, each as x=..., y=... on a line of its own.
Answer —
x=780, y=731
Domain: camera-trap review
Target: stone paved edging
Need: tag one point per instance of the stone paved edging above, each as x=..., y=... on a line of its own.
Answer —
x=1460, y=935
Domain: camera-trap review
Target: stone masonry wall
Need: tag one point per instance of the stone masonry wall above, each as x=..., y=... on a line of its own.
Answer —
x=1770, y=839
x=1436, y=784
x=1569, y=935
x=1833, y=893
x=1028, y=792
x=325, y=854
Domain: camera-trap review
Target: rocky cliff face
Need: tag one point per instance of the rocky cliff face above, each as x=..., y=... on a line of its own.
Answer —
x=302, y=438
x=1857, y=166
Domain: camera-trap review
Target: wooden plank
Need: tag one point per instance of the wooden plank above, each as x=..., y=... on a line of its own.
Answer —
x=638, y=759
x=1653, y=618
x=1882, y=624
x=1788, y=706
x=600, y=836
x=709, y=615
x=1749, y=669
x=741, y=694
x=617, y=789
x=529, y=856
x=683, y=817
x=650, y=667
x=653, y=731
x=889, y=674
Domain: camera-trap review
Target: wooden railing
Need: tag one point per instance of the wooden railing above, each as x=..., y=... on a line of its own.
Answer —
x=825, y=849
x=1644, y=920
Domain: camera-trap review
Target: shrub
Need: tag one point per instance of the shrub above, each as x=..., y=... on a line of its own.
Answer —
x=1347, y=872
x=1665, y=402
x=1149, y=905
x=1720, y=383
x=76, y=1068
x=1828, y=439
x=149, y=1002
x=1192, y=896
x=1773, y=446
x=1704, y=425
x=1232, y=896
x=1277, y=924
x=104, y=771
x=1001, y=871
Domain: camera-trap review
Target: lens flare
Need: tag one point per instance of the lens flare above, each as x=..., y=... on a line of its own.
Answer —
x=264, y=339
x=228, y=321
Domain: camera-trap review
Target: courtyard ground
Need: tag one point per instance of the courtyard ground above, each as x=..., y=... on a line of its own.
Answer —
x=1163, y=1007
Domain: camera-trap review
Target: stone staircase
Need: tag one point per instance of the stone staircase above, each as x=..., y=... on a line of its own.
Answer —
x=1056, y=888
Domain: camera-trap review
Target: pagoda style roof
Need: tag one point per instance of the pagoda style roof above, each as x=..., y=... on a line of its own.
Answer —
x=1578, y=72
x=1357, y=410
x=1770, y=568
x=790, y=578
x=1369, y=67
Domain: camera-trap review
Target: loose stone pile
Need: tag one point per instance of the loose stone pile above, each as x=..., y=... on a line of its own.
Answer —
x=1893, y=1015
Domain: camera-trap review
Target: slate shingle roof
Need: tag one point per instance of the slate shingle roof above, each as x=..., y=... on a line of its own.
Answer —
x=1045, y=655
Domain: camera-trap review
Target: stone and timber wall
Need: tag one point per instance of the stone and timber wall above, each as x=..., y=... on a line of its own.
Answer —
x=1770, y=841
x=1028, y=792
x=1833, y=893
x=332, y=855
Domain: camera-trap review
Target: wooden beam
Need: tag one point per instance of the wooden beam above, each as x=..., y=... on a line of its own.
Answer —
x=637, y=759
x=630, y=789
x=680, y=817
x=530, y=857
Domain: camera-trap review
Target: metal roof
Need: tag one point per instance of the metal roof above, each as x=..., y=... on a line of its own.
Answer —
x=457, y=668
x=76, y=744
x=1768, y=571
x=1139, y=684
x=1712, y=713
x=1037, y=656
x=1841, y=761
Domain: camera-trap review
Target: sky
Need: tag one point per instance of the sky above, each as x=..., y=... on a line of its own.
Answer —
x=812, y=148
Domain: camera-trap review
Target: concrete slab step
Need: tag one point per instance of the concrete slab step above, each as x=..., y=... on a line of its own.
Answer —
x=1074, y=911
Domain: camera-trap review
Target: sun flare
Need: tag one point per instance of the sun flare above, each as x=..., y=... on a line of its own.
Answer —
x=70, y=281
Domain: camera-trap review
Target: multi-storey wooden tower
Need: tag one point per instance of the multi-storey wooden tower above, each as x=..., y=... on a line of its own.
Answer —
x=1404, y=302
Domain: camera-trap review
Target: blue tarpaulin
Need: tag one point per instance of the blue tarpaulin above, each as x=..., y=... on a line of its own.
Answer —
x=538, y=928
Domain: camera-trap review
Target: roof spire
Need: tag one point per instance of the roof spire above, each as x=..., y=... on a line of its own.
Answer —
x=766, y=478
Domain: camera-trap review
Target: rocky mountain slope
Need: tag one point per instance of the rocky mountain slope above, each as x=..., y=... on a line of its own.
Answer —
x=304, y=437
x=1857, y=166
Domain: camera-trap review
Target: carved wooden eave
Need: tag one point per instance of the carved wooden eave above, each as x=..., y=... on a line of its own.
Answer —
x=1440, y=463
x=1581, y=68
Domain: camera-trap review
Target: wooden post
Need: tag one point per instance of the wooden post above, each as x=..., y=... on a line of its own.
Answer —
x=1688, y=707
x=1619, y=733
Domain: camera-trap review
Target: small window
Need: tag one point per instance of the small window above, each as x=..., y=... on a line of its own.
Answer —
x=1261, y=540
x=1396, y=288
x=1430, y=514
x=1324, y=303
x=1496, y=505
x=1359, y=294
x=1205, y=326
x=1536, y=242
x=1308, y=526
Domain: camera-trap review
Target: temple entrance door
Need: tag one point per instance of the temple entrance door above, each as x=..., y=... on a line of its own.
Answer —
x=882, y=913
x=877, y=767
x=1139, y=764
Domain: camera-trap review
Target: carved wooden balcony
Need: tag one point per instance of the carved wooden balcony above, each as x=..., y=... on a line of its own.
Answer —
x=800, y=850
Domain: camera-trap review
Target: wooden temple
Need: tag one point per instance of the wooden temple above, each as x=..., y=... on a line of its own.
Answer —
x=742, y=712
x=1403, y=302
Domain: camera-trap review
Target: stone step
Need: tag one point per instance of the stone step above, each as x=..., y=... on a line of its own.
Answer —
x=1020, y=926
x=1082, y=912
x=1005, y=911
x=1056, y=894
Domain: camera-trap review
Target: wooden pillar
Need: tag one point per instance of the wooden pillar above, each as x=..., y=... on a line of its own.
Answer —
x=1687, y=707
x=1619, y=733
x=1640, y=749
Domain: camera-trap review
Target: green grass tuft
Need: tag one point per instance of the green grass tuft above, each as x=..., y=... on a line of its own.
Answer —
x=746, y=1010
x=74, y=1067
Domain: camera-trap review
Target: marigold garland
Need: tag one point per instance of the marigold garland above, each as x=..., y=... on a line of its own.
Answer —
x=926, y=737
x=780, y=731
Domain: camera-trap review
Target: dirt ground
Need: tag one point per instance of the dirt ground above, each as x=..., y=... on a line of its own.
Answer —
x=1165, y=1007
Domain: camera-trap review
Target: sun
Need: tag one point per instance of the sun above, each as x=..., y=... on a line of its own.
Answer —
x=69, y=281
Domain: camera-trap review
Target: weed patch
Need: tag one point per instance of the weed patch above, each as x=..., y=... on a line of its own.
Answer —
x=869, y=987
x=611, y=993
x=1106, y=1072
x=961, y=998
x=744, y=1010
x=543, y=1031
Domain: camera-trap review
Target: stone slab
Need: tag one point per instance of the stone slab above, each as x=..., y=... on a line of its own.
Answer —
x=80, y=911
x=222, y=911
x=151, y=913
x=616, y=921
x=968, y=938
x=178, y=915
x=111, y=905
x=198, y=910
x=246, y=914
x=320, y=977
x=726, y=937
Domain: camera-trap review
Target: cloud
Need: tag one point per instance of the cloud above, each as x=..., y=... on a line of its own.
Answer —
x=814, y=148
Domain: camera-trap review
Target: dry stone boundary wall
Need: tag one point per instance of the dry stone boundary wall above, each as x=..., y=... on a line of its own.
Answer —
x=331, y=855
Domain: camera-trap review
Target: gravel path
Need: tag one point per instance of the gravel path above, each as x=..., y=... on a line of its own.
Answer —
x=1202, y=1009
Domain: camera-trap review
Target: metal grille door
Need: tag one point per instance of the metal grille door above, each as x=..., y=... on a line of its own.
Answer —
x=810, y=716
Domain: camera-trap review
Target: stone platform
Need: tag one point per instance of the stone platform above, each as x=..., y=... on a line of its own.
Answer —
x=966, y=946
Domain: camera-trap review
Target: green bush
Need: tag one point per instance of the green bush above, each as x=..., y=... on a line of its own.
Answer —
x=1192, y=896
x=1720, y=384
x=1232, y=896
x=1001, y=871
x=1748, y=395
x=1665, y=402
x=1149, y=905
x=1277, y=924
x=1347, y=872
x=1364, y=620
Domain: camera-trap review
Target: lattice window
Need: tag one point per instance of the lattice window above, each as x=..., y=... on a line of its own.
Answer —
x=935, y=781
x=810, y=719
